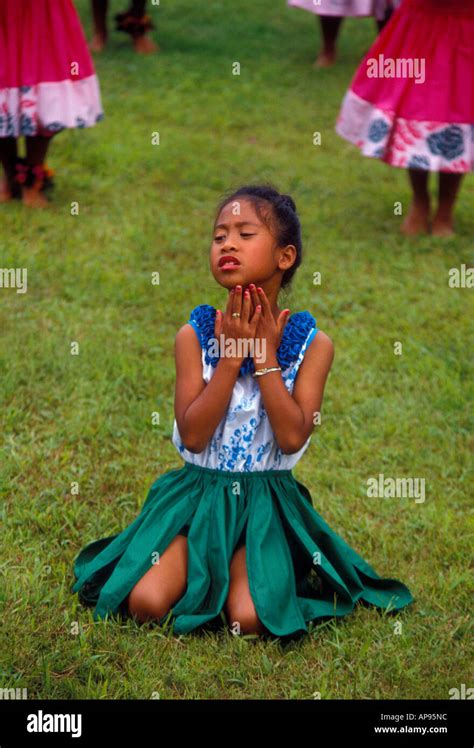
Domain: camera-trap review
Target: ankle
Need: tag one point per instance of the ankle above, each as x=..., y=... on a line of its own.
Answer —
x=136, y=26
x=422, y=199
x=28, y=175
x=8, y=185
x=444, y=215
x=33, y=181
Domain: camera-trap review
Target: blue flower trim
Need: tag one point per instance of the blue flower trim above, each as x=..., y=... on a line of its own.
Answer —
x=378, y=130
x=419, y=162
x=296, y=330
x=448, y=142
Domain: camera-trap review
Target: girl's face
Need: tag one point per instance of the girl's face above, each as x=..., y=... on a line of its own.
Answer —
x=244, y=251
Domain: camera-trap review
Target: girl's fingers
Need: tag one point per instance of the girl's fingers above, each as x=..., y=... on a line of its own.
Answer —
x=246, y=308
x=265, y=303
x=218, y=323
x=255, y=299
x=257, y=315
x=230, y=302
x=225, y=316
x=237, y=302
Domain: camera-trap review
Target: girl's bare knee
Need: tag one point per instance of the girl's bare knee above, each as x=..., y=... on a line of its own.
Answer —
x=146, y=606
x=155, y=593
x=247, y=618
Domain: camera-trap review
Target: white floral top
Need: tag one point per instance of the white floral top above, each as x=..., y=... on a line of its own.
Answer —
x=244, y=440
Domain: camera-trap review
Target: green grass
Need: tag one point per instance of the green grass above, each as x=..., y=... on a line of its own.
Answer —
x=87, y=418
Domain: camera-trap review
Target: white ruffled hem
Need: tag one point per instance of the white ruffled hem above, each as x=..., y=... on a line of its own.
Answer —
x=46, y=108
x=406, y=143
x=347, y=8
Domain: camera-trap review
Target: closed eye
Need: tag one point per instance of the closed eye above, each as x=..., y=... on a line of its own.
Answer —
x=218, y=238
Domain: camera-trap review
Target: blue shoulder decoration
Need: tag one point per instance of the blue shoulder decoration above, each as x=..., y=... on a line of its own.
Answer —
x=297, y=329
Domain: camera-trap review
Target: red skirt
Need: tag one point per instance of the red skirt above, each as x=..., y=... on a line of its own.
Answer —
x=47, y=77
x=411, y=101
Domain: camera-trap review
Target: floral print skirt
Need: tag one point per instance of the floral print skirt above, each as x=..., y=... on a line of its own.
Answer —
x=47, y=77
x=344, y=8
x=411, y=100
x=299, y=569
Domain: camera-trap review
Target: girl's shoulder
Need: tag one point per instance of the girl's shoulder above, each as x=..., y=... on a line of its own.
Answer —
x=321, y=344
x=203, y=318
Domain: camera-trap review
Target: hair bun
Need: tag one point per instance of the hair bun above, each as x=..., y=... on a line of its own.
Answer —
x=287, y=202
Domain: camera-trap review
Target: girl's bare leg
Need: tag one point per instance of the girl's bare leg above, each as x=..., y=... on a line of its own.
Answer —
x=36, y=150
x=142, y=43
x=384, y=21
x=239, y=607
x=8, y=156
x=381, y=24
x=99, y=12
x=330, y=26
x=162, y=585
x=418, y=218
x=449, y=185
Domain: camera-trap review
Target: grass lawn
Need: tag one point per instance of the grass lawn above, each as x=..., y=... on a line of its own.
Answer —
x=87, y=418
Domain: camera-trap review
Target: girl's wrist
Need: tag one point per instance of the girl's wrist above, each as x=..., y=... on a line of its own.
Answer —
x=232, y=363
x=270, y=360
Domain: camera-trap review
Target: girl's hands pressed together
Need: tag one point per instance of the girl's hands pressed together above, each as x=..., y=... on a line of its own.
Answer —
x=268, y=330
x=238, y=328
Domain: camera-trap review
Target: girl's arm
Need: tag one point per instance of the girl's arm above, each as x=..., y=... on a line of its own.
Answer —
x=292, y=416
x=199, y=406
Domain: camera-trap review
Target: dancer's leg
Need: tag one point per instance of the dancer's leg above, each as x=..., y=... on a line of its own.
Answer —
x=417, y=220
x=142, y=42
x=330, y=26
x=99, y=12
x=8, y=156
x=383, y=22
x=36, y=150
x=138, y=8
x=449, y=185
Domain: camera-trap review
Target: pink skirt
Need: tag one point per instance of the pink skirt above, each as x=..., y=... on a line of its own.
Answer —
x=47, y=78
x=411, y=101
x=357, y=8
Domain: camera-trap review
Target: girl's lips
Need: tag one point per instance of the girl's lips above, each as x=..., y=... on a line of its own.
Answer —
x=229, y=266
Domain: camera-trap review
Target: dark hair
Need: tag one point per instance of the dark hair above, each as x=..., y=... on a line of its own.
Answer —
x=284, y=214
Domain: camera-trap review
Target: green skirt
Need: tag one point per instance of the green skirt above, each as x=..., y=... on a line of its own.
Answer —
x=299, y=569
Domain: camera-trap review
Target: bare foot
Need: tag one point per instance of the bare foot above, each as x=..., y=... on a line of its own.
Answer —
x=325, y=60
x=98, y=42
x=34, y=198
x=442, y=227
x=417, y=220
x=143, y=45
